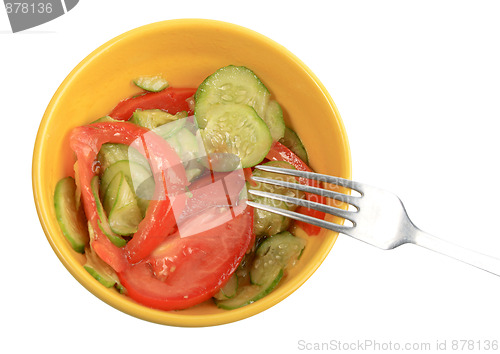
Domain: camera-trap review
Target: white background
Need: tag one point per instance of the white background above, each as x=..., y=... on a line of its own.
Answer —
x=418, y=86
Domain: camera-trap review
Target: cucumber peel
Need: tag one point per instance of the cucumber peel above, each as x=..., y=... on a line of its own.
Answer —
x=103, y=222
x=71, y=220
x=249, y=293
x=151, y=83
x=229, y=290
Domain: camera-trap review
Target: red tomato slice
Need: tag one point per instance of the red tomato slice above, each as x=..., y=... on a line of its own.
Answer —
x=172, y=100
x=280, y=152
x=186, y=270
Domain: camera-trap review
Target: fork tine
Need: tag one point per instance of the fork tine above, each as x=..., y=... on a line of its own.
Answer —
x=314, y=176
x=305, y=218
x=346, y=214
x=353, y=200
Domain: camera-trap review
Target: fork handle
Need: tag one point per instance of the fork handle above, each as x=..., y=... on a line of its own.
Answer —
x=479, y=260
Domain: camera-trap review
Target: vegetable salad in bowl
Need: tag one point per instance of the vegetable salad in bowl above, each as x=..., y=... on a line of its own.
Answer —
x=157, y=200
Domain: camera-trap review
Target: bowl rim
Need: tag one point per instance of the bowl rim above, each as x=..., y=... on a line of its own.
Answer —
x=120, y=303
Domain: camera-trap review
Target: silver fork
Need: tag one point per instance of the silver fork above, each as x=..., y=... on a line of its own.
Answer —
x=380, y=218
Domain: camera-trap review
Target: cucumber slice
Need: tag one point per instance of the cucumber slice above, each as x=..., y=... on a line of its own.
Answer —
x=169, y=129
x=249, y=293
x=153, y=118
x=151, y=83
x=185, y=145
x=71, y=220
x=266, y=223
x=237, y=129
x=228, y=291
x=106, y=119
x=103, y=220
x=135, y=174
x=277, y=189
x=274, y=120
x=125, y=216
x=230, y=85
x=292, y=141
x=279, y=251
x=109, y=198
x=111, y=153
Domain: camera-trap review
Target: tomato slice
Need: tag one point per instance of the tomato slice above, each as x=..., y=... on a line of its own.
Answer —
x=187, y=269
x=280, y=152
x=172, y=100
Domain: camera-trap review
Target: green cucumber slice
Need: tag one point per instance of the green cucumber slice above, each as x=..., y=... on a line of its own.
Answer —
x=111, y=193
x=106, y=119
x=111, y=153
x=135, y=174
x=237, y=129
x=153, y=118
x=276, y=252
x=125, y=216
x=71, y=220
x=103, y=220
x=274, y=120
x=277, y=189
x=292, y=141
x=266, y=223
x=151, y=83
x=228, y=291
x=249, y=293
x=230, y=85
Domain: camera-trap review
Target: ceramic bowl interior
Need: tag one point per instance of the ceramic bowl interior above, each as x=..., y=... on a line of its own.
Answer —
x=185, y=52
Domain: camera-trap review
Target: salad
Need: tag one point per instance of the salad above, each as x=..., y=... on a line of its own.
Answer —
x=157, y=202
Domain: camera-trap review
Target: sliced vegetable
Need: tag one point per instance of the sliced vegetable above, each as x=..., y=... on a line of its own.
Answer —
x=171, y=100
x=229, y=290
x=292, y=141
x=153, y=118
x=272, y=258
x=279, y=251
x=230, y=85
x=267, y=223
x=125, y=215
x=183, y=271
x=71, y=220
x=139, y=178
x=280, y=152
x=237, y=129
x=274, y=120
x=102, y=272
x=111, y=153
x=103, y=222
x=250, y=293
x=105, y=119
x=111, y=193
x=265, y=187
x=151, y=83
x=159, y=220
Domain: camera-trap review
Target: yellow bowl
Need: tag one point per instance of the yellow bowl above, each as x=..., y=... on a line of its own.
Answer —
x=185, y=51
